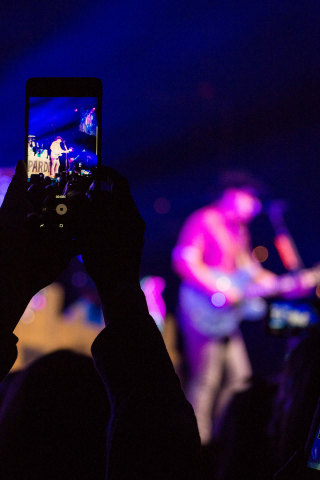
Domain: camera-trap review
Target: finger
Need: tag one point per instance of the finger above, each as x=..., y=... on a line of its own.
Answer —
x=121, y=195
x=18, y=182
x=114, y=196
x=15, y=204
x=20, y=175
x=110, y=175
x=112, y=189
x=106, y=171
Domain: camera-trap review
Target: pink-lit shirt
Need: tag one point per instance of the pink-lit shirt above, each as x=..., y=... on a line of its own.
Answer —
x=209, y=243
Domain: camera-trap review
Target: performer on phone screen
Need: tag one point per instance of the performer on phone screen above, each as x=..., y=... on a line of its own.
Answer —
x=219, y=275
x=56, y=152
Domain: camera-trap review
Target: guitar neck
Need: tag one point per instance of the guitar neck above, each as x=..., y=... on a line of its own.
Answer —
x=295, y=284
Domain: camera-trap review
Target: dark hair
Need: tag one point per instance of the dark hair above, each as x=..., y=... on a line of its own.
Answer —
x=241, y=180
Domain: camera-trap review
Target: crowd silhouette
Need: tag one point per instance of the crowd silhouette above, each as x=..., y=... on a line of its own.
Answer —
x=122, y=414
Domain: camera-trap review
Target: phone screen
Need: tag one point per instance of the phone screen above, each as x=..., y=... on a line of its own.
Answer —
x=290, y=318
x=63, y=128
x=62, y=135
x=314, y=458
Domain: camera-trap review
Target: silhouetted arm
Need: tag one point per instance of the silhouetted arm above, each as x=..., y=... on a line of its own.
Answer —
x=152, y=431
x=25, y=263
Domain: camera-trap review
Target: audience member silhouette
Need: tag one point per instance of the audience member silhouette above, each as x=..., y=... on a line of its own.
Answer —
x=127, y=418
x=53, y=420
x=152, y=431
x=244, y=450
x=297, y=398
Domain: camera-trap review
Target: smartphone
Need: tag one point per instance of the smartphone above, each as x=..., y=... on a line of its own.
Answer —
x=62, y=144
x=63, y=127
x=287, y=318
x=304, y=464
x=312, y=447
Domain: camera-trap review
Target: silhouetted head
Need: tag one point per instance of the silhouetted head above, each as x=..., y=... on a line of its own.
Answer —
x=53, y=420
x=298, y=396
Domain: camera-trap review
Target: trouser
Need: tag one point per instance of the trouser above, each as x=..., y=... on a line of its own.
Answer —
x=219, y=367
x=55, y=163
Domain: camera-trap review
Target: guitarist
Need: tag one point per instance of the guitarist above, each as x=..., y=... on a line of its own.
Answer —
x=56, y=151
x=213, y=246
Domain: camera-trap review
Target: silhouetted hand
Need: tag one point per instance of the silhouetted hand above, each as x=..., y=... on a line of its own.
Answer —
x=111, y=236
x=30, y=259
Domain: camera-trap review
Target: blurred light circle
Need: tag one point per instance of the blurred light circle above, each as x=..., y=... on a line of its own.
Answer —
x=38, y=302
x=218, y=299
x=223, y=283
x=162, y=205
x=261, y=253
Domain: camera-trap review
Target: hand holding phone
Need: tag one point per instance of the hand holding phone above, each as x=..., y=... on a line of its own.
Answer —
x=111, y=235
x=30, y=258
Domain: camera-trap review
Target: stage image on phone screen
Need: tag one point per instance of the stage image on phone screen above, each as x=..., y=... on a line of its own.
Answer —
x=291, y=318
x=314, y=458
x=62, y=136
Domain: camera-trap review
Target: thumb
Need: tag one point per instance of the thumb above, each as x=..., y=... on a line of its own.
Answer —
x=20, y=173
x=19, y=179
x=15, y=204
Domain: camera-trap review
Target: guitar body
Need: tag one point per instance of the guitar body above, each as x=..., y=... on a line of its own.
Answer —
x=198, y=309
x=212, y=321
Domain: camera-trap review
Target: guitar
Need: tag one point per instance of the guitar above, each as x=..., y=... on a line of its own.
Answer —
x=212, y=316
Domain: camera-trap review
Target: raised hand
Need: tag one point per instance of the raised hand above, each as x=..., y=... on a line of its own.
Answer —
x=30, y=258
x=111, y=236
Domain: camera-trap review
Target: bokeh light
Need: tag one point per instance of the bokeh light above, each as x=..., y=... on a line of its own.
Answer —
x=218, y=299
x=38, y=302
x=162, y=205
x=223, y=283
x=260, y=253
